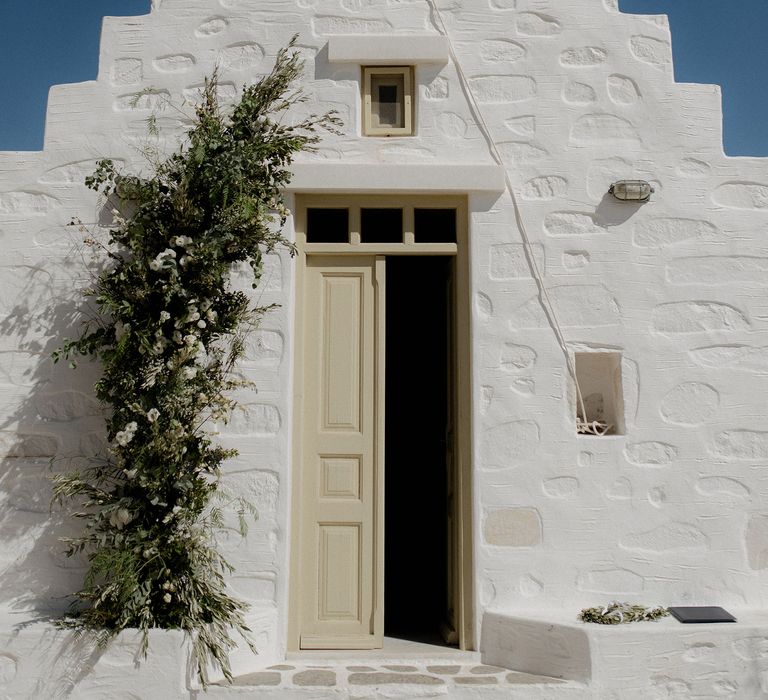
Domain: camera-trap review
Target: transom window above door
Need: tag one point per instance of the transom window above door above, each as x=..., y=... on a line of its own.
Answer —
x=386, y=224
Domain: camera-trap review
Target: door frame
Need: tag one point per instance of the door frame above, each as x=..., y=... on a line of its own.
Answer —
x=464, y=568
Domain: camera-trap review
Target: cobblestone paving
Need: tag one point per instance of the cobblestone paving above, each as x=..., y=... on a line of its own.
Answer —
x=327, y=675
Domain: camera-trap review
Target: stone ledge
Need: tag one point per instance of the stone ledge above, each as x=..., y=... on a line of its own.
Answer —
x=700, y=660
x=432, y=178
x=38, y=660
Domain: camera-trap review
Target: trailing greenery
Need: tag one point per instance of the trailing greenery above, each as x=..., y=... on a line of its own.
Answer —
x=168, y=330
x=616, y=613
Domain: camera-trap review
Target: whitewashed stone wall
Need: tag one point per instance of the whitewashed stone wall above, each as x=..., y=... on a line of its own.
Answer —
x=576, y=95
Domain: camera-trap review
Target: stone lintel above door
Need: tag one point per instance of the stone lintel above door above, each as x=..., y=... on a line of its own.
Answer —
x=384, y=178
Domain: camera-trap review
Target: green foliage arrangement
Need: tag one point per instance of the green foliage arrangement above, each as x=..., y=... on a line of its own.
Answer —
x=168, y=331
x=617, y=613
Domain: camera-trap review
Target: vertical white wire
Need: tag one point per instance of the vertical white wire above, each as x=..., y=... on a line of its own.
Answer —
x=546, y=302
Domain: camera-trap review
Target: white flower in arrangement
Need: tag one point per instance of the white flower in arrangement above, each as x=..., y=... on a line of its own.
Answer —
x=201, y=324
x=211, y=315
x=177, y=338
x=130, y=473
x=120, y=518
x=124, y=436
x=121, y=330
x=193, y=316
x=181, y=241
x=190, y=372
x=117, y=218
x=164, y=316
x=190, y=339
x=207, y=303
x=167, y=597
x=152, y=415
x=164, y=260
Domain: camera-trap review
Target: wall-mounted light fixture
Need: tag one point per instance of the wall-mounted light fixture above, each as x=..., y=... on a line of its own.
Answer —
x=631, y=190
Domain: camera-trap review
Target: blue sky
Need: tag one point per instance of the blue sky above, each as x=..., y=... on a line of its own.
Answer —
x=724, y=42
x=44, y=42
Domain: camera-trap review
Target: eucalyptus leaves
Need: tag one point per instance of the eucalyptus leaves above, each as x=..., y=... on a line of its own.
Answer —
x=168, y=330
x=617, y=613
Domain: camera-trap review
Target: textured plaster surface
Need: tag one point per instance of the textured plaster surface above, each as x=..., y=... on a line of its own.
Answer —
x=661, y=659
x=576, y=95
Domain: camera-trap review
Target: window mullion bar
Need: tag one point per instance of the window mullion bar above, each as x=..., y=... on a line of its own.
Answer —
x=354, y=225
x=408, y=226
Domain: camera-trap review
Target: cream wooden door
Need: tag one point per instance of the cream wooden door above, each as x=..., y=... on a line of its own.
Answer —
x=342, y=487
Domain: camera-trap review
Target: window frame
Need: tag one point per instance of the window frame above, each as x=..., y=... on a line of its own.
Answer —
x=408, y=101
x=354, y=203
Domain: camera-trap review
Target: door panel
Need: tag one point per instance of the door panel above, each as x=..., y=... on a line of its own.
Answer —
x=342, y=494
x=343, y=346
x=339, y=579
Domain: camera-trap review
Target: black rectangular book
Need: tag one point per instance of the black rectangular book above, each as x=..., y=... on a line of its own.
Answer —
x=702, y=613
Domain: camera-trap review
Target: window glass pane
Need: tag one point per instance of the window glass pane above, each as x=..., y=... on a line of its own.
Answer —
x=327, y=225
x=387, y=94
x=381, y=225
x=387, y=100
x=434, y=225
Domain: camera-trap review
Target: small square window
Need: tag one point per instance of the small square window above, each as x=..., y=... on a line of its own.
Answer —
x=381, y=225
x=434, y=225
x=387, y=101
x=327, y=225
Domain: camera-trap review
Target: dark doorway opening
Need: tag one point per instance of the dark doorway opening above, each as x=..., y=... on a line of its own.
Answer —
x=418, y=412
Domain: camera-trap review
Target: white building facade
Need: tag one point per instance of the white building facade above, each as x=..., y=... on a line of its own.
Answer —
x=496, y=128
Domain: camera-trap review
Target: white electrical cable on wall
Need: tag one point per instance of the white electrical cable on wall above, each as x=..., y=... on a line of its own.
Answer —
x=546, y=302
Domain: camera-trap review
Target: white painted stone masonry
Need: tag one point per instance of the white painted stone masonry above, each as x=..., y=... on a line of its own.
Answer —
x=576, y=95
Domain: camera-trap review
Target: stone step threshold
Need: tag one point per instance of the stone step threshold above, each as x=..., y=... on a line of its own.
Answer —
x=395, y=680
x=402, y=668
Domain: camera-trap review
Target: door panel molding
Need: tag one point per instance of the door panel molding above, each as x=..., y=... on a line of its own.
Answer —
x=342, y=384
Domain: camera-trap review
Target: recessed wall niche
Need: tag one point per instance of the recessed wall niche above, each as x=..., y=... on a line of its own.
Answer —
x=599, y=378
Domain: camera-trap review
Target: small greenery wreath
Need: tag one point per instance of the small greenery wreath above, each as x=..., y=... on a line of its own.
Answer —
x=617, y=613
x=168, y=329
